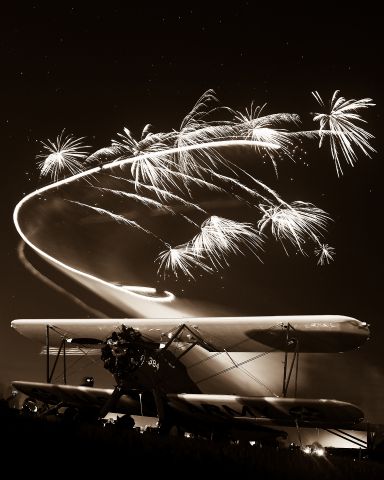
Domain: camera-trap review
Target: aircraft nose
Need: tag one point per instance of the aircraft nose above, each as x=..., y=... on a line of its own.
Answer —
x=358, y=328
x=360, y=325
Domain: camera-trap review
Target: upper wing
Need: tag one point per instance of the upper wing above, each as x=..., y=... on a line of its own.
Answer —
x=304, y=333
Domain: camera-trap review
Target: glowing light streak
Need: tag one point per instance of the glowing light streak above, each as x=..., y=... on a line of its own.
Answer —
x=192, y=123
x=294, y=222
x=240, y=185
x=157, y=167
x=220, y=237
x=181, y=259
x=63, y=155
x=340, y=126
x=92, y=171
x=149, y=142
x=148, y=202
x=118, y=218
x=129, y=290
x=266, y=128
x=325, y=253
x=161, y=193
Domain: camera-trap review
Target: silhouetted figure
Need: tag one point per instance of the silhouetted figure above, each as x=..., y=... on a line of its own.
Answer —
x=125, y=422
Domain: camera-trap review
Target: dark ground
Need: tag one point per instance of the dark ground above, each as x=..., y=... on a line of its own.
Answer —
x=81, y=448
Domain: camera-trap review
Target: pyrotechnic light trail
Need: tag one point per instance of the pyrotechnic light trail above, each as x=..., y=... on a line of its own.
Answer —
x=143, y=166
x=137, y=291
x=193, y=124
x=109, y=166
x=119, y=219
x=126, y=161
x=241, y=186
x=148, y=202
x=266, y=128
x=189, y=179
x=344, y=134
x=325, y=254
x=161, y=193
x=181, y=258
x=149, y=142
x=295, y=223
x=220, y=237
x=165, y=162
x=64, y=154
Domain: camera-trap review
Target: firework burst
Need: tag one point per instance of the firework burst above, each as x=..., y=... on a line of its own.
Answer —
x=105, y=155
x=325, y=254
x=340, y=126
x=266, y=130
x=219, y=237
x=296, y=222
x=163, y=168
x=150, y=169
x=181, y=259
x=196, y=129
x=144, y=167
x=149, y=142
x=64, y=154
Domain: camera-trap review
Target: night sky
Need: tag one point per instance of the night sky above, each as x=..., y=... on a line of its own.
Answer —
x=93, y=70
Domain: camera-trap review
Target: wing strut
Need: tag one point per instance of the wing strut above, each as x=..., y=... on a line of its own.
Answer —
x=198, y=340
x=289, y=342
x=63, y=342
x=348, y=437
x=298, y=432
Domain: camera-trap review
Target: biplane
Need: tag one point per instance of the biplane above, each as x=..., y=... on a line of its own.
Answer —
x=194, y=374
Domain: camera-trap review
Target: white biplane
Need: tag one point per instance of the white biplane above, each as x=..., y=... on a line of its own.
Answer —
x=194, y=373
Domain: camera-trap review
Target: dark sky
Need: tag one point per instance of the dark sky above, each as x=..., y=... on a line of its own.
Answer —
x=95, y=69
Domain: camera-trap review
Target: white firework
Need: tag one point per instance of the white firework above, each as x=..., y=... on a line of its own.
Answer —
x=105, y=155
x=150, y=169
x=165, y=166
x=186, y=180
x=194, y=129
x=195, y=118
x=325, y=253
x=161, y=193
x=266, y=129
x=241, y=187
x=164, y=175
x=340, y=126
x=148, y=202
x=149, y=142
x=118, y=218
x=143, y=168
x=219, y=237
x=181, y=259
x=296, y=222
x=264, y=132
x=64, y=154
